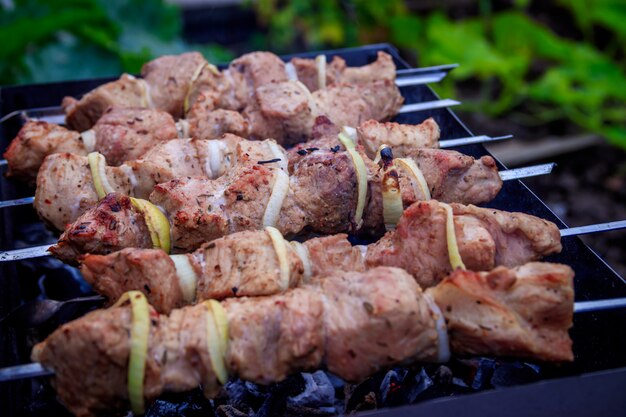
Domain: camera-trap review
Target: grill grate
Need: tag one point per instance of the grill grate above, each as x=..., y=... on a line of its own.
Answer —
x=599, y=338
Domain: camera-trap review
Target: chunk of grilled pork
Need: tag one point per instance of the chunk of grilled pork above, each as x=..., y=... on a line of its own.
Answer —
x=173, y=83
x=246, y=264
x=65, y=187
x=286, y=111
x=486, y=238
x=523, y=311
x=351, y=323
x=120, y=135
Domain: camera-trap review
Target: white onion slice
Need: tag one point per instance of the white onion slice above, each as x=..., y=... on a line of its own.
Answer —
x=214, y=163
x=145, y=94
x=292, y=74
x=221, y=319
x=187, y=277
x=275, y=203
x=194, y=78
x=307, y=92
x=280, y=247
x=303, y=253
x=410, y=166
x=130, y=173
x=453, y=248
x=362, y=249
x=320, y=63
x=101, y=183
x=139, y=334
x=350, y=132
x=277, y=153
x=361, y=176
x=182, y=127
x=89, y=140
x=443, y=342
x=215, y=344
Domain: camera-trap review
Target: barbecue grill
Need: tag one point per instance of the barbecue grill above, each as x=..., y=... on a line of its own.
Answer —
x=590, y=383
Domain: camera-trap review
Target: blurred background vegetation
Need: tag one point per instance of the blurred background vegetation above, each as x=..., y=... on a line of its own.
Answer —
x=537, y=64
x=548, y=70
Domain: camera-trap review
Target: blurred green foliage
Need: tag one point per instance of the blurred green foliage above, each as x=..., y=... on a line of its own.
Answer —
x=526, y=70
x=44, y=40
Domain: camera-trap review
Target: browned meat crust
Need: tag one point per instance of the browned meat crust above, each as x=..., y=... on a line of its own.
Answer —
x=82, y=114
x=112, y=226
x=321, y=197
x=486, y=238
x=525, y=311
x=34, y=142
x=124, y=134
x=65, y=188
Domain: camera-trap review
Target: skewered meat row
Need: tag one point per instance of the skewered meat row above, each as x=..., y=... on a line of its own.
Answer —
x=320, y=195
x=284, y=111
x=65, y=188
x=174, y=84
x=248, y=263
x=121, y=134
x=351, y=323
x=126, y=134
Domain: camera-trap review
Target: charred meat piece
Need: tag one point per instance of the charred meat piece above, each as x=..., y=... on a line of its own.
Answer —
x=486, y=238
x=127, y=134
x=170, y=78
x=114, y=225
x=287, y=111
x=525, y=311
x=352, y=323
x=402, y=138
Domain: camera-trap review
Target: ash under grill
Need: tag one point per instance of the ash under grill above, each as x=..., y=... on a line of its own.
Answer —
x=599, y=338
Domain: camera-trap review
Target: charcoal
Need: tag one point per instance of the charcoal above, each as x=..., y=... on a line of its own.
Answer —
x=509, y=374
x=192, y=404
x=318, y=391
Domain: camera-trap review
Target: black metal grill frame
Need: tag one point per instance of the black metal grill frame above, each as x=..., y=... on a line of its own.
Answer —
x=599, y=338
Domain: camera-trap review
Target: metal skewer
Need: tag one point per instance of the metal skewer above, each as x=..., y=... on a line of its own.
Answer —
x=40, y=251
x=17, y=202
x=34, y=370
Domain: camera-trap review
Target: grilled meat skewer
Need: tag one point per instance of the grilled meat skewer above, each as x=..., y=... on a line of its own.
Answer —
x=126, y=134
x=450, y=175
x=351, y=323
x=247, y=263
x=173, y=84
x=321, y=195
